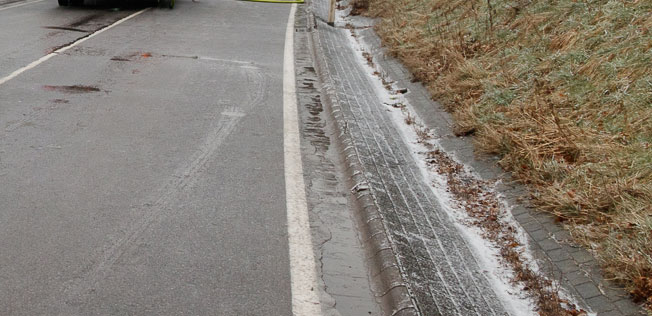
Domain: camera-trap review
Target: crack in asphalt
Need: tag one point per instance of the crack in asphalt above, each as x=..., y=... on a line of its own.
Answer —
x=61, y=48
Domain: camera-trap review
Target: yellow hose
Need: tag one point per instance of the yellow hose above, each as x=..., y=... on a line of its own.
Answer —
x=277, y=1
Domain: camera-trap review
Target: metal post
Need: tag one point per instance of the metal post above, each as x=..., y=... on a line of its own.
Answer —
x=331, y=14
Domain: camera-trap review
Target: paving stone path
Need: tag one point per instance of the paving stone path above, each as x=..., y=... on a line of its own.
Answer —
x=444, y=277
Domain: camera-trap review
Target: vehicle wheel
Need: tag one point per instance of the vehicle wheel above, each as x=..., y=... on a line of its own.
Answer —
x=64, y=3
x=166, y=4
x=76, y=2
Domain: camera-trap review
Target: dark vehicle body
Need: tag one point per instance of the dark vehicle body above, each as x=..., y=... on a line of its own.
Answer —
x=159, y=3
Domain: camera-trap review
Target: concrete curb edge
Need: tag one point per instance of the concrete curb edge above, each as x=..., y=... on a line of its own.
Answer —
x=388, y=283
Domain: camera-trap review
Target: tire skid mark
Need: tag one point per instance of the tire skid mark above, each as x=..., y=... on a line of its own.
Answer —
x=230, y=62
x=64, y=28
x=161, y=205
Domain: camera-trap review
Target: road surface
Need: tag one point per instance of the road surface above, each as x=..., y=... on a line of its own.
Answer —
x=142, y=160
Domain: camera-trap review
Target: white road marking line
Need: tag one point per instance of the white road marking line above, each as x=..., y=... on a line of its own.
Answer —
x=67, y=47
x=16, y=5
x=303, y=273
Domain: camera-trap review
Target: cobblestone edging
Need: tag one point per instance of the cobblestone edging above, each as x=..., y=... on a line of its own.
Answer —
x=421, y=263
x=388, y=285
x=575, y=268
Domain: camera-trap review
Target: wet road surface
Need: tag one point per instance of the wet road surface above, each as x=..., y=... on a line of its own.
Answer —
x=141, y=170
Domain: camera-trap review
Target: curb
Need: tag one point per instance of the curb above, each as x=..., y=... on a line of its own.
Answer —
x=386, y=275
x=573, y=268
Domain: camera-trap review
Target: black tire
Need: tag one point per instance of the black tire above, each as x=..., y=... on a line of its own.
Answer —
x=64, y=3
x=76, y=2
x=166, y=4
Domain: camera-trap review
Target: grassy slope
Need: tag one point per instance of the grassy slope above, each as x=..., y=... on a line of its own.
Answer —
x=562, y=91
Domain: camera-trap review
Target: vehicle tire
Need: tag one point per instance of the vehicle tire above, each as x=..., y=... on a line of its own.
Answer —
x=64, y=3
x=76, y=2
x=166, y=4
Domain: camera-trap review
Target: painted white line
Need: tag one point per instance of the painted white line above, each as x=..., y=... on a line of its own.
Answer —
x=67, y=47
x=16, y=5
x=303, y=274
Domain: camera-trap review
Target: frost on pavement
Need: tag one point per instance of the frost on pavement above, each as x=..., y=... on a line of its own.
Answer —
x=479, y=214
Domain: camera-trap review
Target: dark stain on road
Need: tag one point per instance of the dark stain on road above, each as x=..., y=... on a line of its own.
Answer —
x=128, y=57
x=314, y=126
x=63, y=28
x=131, y=57
x=307, y=83
x=76, y=89
x=60, y=101
x=83, y=20
x=56, y=48
x=75, y=26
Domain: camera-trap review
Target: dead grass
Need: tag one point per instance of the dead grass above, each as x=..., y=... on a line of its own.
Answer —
x=562, y=92
x=359, y=6
x=479, y=201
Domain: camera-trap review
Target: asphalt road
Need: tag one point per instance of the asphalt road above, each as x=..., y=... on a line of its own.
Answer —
x=141, y=171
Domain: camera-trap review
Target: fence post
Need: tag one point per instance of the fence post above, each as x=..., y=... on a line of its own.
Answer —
x=331, y=14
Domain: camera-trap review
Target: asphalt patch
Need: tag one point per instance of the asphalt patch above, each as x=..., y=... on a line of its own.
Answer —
x=76, y=89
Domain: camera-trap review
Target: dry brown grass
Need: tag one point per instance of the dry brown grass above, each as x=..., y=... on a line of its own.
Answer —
x=359, y=6
x=481, y=204
x=562, y=91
